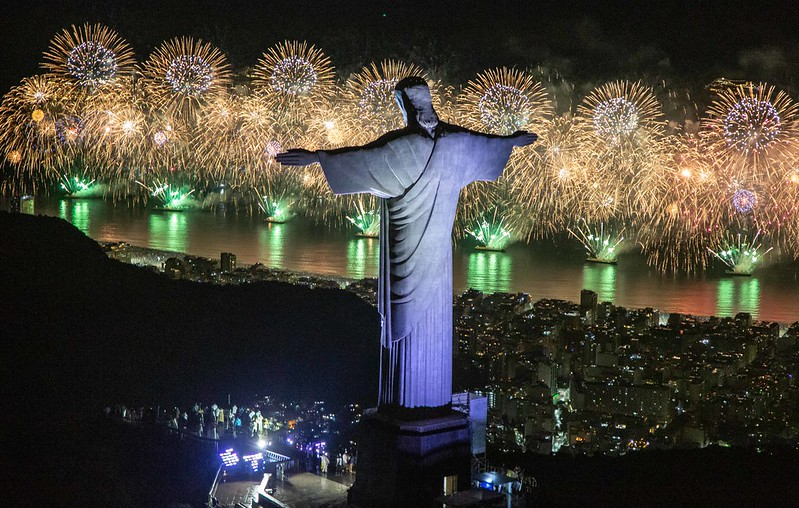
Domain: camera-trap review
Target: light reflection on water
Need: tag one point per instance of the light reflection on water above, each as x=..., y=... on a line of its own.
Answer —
x=362, y=257
x=271, y=240
x=75, y=211
x=169, y=231
x=771, y=293
x=738, y=293
x=490, y=272
x=601, y=279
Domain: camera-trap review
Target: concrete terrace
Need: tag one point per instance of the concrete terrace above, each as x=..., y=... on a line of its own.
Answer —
x=300, y=489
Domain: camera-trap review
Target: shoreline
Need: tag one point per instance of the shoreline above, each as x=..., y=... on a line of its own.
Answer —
x=158, y=254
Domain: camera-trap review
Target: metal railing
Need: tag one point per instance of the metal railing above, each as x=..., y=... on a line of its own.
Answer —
x=212, y=500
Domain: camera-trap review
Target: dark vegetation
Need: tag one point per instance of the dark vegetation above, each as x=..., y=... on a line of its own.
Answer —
x=81, y=331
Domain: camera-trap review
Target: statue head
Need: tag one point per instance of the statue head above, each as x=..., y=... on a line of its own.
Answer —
x=413, y=97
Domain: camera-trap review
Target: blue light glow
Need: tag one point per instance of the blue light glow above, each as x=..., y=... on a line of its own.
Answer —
x=229, y=457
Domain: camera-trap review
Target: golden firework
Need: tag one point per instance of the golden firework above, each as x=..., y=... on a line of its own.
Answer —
x=549, y=184
x=294, y=71
x=627, y=146
x=622, y=111
x=89, y=56
x=184, y=74
x=217, y=146
x=503, y=101
x=369, y=96
x=685, y=212
x=29, y=116
x=752, y=129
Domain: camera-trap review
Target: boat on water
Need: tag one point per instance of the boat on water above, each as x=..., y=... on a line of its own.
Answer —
x=602, y=261
x=486, y=248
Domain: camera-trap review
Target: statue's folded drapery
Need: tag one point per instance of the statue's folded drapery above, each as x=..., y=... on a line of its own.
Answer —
x=419, y=178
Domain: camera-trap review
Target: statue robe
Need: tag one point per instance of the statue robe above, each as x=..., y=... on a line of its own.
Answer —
x=419, y=179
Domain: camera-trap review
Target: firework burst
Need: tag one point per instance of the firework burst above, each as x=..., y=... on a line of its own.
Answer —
x=503, y=101
x=628, y=149
x=276, y=203
x=369, y=94
x=549, y=185
x=491, y=232
x=686, y=212
x=739, y=253
x=366, y=218
x=752, y=129
x=76, y=186
x=602, y=244
x=218, y=148
x=622, y=111
x=89, y=56
x=327, y=127
x=183, y=74
x=294, y=71
x=172, y=198
x=296, y=80
x=166, y=142
x=116, y=135
x=38, y=131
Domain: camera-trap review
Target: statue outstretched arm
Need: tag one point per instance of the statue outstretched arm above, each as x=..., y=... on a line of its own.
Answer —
x=486, y=154
x=303, y=157
x=523, y=138
x=384, y=168
x=297, y=157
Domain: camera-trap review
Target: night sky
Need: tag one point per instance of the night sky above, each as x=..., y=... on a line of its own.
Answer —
x=686, y=43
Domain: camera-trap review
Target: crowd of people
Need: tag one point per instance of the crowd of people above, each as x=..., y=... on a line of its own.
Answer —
x=337, y=464
x=212, y=422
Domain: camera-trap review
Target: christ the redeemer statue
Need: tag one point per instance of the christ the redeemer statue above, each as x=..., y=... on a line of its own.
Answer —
x=418, y=171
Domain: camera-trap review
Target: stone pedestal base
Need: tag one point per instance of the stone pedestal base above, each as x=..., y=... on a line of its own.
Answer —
x=404, y=463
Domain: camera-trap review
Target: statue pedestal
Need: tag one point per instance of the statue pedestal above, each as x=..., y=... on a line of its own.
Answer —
x=404, y=463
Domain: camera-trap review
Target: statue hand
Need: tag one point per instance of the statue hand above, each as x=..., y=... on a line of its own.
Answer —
x=523, y=138
x=297, y=157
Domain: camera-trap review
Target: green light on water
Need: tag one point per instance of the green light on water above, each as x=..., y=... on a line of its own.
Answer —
x=75, y=212
x=169, y=231
x=725, y=297
x=738, y=294
x=749, y=296
x=601, y=279
x=362, y=257
x=272, y=242
x=489, y=272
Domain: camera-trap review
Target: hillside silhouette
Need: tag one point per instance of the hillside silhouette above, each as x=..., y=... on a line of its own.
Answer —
x=82, y=330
